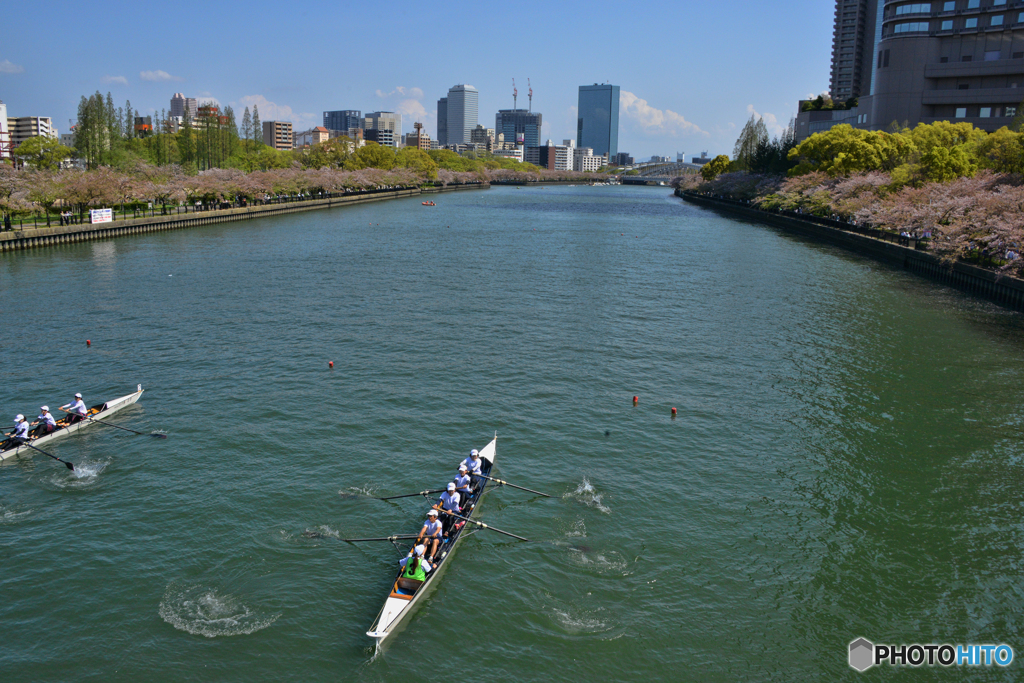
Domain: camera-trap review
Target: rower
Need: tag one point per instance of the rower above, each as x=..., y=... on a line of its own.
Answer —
x=20, y=433
x=49, y=424
x=76, y=410
x=432, y=533
x=472, y=464
x=449, y=502
x=415, y=564
x=463, y=485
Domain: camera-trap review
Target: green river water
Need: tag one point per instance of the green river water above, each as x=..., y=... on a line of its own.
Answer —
x=846, y=460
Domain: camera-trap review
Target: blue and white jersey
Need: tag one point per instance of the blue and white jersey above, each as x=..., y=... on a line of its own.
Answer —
x=450, y=502
x=432, y=528
x=473, y=465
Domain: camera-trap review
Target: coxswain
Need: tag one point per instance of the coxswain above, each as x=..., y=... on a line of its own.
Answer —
x=20, y=433
x=76, y=410
x=49, y=424
x=464, y=485
x=431, y=534
x=449, y=502
x=472, y=464
x=415, y=567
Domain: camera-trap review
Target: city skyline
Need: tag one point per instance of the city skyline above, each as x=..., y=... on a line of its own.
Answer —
x=671, y=67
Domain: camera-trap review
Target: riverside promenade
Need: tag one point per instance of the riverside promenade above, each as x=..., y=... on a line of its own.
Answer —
x=908, y=254
x=31, y=238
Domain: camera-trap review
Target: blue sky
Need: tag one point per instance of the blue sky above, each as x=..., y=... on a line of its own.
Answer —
x=690, y=72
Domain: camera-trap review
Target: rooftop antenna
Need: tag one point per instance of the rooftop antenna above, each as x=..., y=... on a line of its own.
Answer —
x=531, y=94
x=515, y=93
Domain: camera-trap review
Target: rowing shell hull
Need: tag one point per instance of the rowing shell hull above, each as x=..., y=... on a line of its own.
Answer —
x=397, y=610
x=108, y=408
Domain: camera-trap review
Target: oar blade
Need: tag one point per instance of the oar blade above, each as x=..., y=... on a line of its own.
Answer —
x=69, y=465
x=158, y=436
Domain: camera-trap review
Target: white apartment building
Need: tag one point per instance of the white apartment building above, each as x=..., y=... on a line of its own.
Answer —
x=583, y=159
x=22, y=128
x=514, y=153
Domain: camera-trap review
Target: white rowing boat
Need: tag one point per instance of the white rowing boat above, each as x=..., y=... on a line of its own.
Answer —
x=98, y=411
x=405, y=594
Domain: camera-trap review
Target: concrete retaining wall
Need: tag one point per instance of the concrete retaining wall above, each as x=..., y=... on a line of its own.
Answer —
x=1004, y=290
x=44, y=237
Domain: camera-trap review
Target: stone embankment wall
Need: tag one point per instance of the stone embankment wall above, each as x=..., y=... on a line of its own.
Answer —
x=44, y=237
x=1002, y=289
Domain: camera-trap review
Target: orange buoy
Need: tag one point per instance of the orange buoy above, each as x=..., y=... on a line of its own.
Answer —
x=330, y=364
x=88, y=342
x=673, y=412
x=636, y=399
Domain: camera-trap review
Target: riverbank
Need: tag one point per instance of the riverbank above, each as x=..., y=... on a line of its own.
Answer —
x=1002, y=289
x=30, y=238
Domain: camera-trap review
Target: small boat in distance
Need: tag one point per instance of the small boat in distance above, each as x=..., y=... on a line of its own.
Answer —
x=405, y=594
x=429, y=204
x=101, y=410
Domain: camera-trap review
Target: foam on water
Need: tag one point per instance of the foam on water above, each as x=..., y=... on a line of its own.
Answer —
x=322, y=531
x=84, y=475
x=588, y=495
x=577, y=622
x=202, y=611
x=10, y=516
x=600, y=561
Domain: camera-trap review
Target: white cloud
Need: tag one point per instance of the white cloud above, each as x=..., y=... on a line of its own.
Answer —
x=115, y=79
x=6, y=67
x=653, y=120
x=414, y=93
x=770, y=121
x=206, y=98
x=271, y=111
x=158, y=76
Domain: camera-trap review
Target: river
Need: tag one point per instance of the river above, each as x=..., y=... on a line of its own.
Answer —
x=845, y=462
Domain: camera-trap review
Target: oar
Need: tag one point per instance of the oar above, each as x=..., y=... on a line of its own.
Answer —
x=69, y=465
x=153, y=434
x=482, y=525
x=385, y=538
x=505, y=483
x=411, y=495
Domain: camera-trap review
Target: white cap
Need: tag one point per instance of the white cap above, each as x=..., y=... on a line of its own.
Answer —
x=45, y=409
x=432, y=513
x=78, y=396
x=451, y=486
x=419, y=550
x=463, y=468
x=473, y=453
x=18, y=418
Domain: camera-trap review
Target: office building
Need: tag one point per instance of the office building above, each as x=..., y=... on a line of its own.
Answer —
x=388, y=127
x=551, y=156
x=463, y=112
x=442, y=121
x=21, y=128
x=313, y=136
x=853, y=36
x=483, y=136
x=277, y=134
x=584, y=159
x=514, y=154
x=519, y=126
x=343, y=119
x=622, y=159
x=143, y=126
x=181, y=104
x=419, y=139
x=598, y=124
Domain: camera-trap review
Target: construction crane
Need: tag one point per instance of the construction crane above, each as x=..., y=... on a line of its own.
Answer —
x=531, y=94
x=515, y=94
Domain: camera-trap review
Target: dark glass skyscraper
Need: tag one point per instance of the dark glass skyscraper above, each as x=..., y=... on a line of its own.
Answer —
x=343, y=120
x=515, y=122
x=442, y=121
x=598, y=123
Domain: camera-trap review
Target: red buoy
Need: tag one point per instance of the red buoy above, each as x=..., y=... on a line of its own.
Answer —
x=635, y=399
x=673, y=412
x=88, y=342
x=330, y=364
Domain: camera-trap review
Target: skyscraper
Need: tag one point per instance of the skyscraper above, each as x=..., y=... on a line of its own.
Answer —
x=388, y=125
x=463, y=109
x=598, y=123
x=442, y=121
x=853, y=41
x=343, y=119
x=180, y=104
x=514, y=123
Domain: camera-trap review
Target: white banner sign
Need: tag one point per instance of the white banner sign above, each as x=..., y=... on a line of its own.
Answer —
x=101, y=215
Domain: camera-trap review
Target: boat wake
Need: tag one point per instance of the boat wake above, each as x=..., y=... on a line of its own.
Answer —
x=84, y=475
x=9, y=516
x=322, y=531
x=578, y=621
x=601, y=562
x=588, y=495
x=201, y=611
x=358, y=491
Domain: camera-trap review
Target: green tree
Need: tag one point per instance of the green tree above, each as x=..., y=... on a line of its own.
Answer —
x=843, y=150
x=373, y=155
x=43, y=152
x=1001, y=151
x=417, y=160
x=753, y=135
x=715, y=167
x=257, y=127
x=942, y=164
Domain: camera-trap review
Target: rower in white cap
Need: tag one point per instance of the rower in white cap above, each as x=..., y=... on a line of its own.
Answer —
x=20, y=433
x=449, y=502
x=464, y=485
x=76, y=410
x=415, y=566
x=49, y=424
x=431, y=533
x=473, y=464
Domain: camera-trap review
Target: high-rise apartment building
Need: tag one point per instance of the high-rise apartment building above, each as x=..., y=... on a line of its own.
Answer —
x=519, y=126
x=853, y=37
x=442, y=121
x=277, y=134
x=343, y=119
x=21, y=128
x=388, y=125
x=598, y=124
x=463, y=111
x=180, y=104
x=920, y=62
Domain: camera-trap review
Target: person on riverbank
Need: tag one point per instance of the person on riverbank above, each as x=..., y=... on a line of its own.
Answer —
x=49, y=424
x=76, y=410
